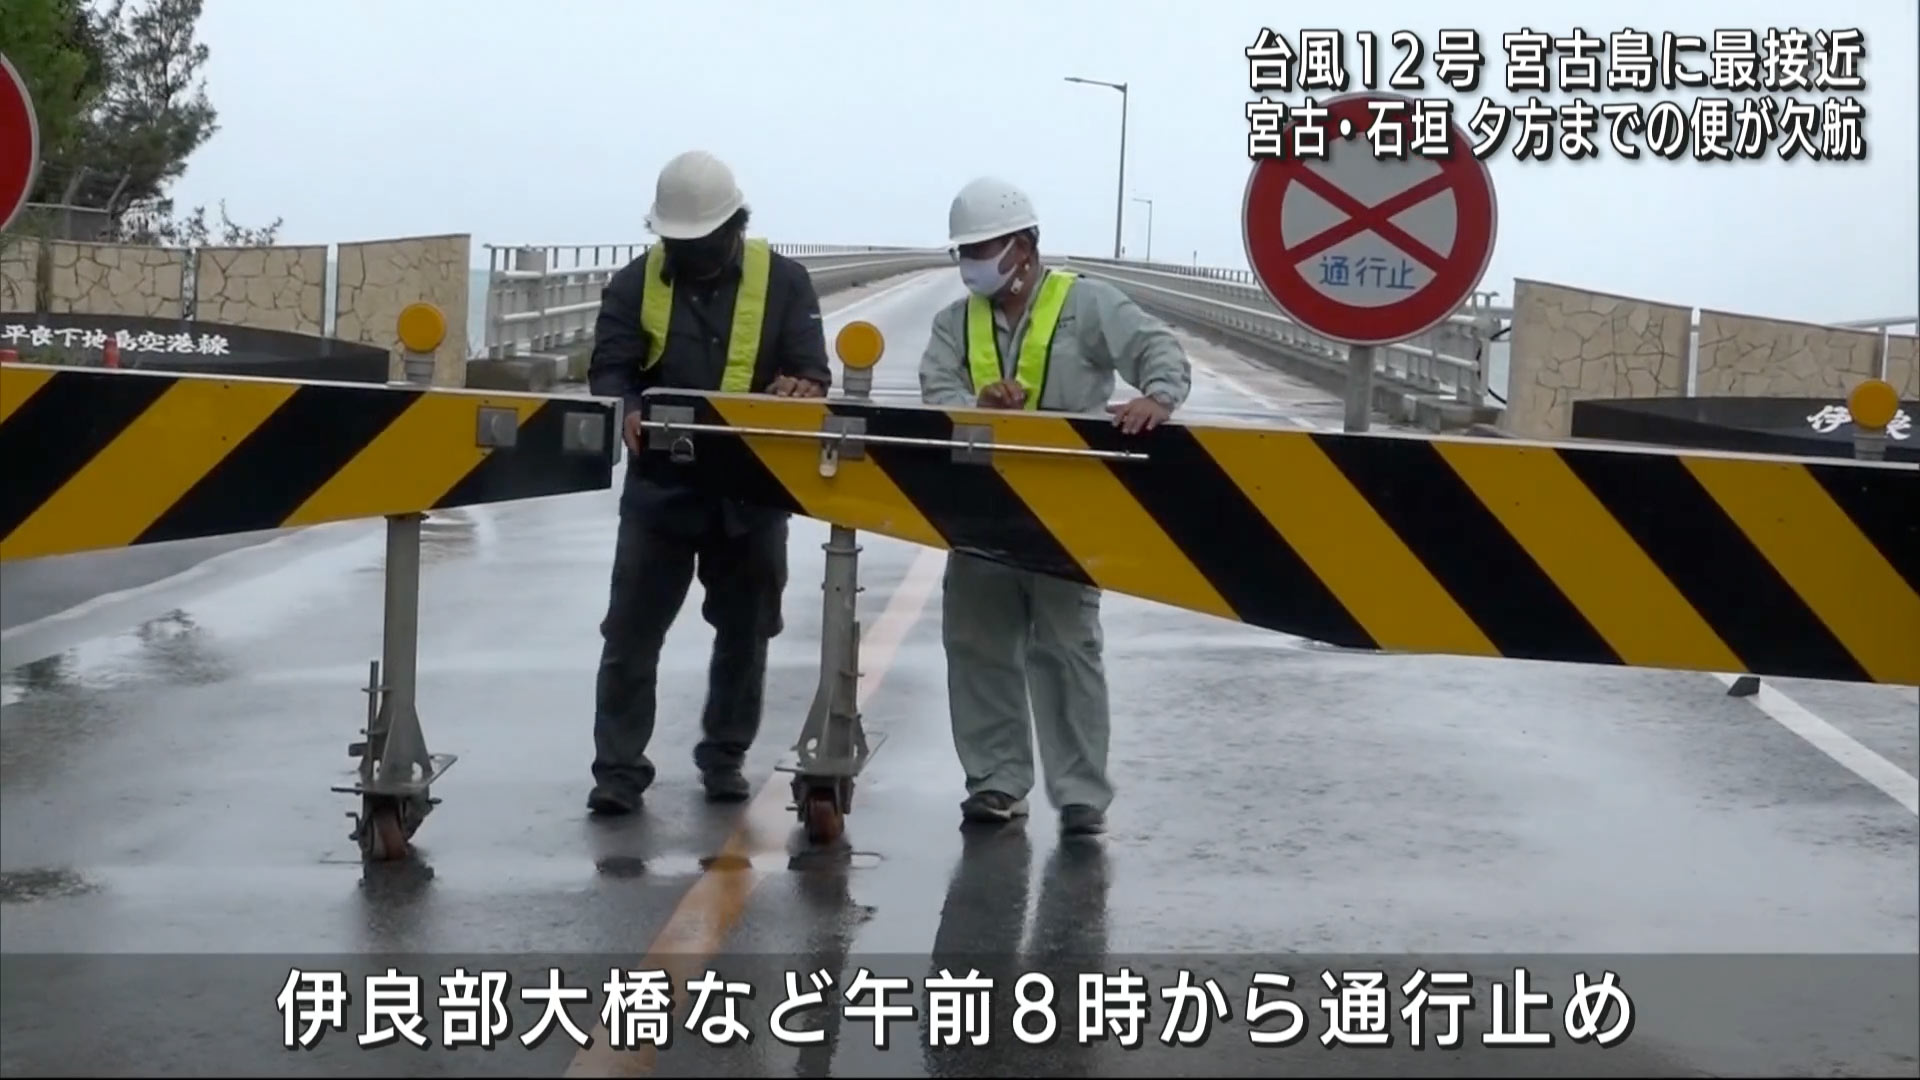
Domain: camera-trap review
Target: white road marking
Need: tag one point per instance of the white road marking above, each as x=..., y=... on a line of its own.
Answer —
x=919, y=277
x=1864, y=763
x=1823, y=736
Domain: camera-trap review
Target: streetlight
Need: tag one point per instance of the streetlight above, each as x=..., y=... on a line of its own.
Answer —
x=1120, y=192
x=1149, y=203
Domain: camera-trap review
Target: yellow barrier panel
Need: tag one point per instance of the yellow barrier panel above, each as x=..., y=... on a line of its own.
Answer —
x=100, y=458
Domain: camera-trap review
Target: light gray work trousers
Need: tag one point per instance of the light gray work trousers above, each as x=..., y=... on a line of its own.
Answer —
x=1015, y=638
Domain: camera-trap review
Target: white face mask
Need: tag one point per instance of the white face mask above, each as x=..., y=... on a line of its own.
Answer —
x=984, y=276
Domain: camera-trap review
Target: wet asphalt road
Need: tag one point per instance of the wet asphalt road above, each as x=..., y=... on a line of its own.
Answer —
x=37, y=588
x=169, y=847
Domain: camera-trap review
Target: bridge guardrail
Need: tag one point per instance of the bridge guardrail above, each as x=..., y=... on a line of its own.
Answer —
x=1448, y=362
x=542, y=301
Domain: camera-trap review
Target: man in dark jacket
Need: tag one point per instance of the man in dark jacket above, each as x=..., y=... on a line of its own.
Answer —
x=706, y=308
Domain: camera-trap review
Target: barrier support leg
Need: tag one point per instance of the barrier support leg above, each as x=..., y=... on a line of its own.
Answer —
x=396, y=770
x=833, y=745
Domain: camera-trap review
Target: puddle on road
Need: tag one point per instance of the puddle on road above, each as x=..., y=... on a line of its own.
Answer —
x=628, y=867
x=622, y=866
x=173, y=648
x=57, y=704
x=810, y=859
x=26, y=886
x=818, y=859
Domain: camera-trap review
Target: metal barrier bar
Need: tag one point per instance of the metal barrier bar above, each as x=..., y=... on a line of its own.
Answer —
x=681, y=450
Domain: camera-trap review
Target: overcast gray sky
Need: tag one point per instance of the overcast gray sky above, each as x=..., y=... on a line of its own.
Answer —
x=855, y=121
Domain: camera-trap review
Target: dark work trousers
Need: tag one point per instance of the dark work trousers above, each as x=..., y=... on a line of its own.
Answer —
x=744, y=573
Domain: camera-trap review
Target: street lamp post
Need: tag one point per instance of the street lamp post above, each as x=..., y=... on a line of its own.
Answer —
x=1149, y=203
x=1120, y=191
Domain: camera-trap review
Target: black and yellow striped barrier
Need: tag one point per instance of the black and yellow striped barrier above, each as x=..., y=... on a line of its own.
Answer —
x=1476, y=547
x=96, y=458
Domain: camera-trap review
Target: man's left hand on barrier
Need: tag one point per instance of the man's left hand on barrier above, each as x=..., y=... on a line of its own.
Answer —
x=1140, y=414
x=793, y=386
x=630, y=428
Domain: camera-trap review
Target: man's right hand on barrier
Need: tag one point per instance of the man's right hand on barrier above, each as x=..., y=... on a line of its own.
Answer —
x=1005, y=394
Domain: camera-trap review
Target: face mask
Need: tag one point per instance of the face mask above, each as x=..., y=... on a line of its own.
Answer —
x=984, y=276
x=702, y=258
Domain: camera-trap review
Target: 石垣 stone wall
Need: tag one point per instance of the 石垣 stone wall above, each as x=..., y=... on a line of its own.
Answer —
x=1903, y=365
x=116, y=279
x=1747, y=356
x=273, y=288
x=19, y=273
x=380, y=278
x=1570, y=345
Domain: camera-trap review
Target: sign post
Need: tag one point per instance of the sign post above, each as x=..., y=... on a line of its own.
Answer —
x=19, y=144
x=1377, y=240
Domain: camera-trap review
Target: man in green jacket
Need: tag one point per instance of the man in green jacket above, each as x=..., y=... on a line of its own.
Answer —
x=1031, y=337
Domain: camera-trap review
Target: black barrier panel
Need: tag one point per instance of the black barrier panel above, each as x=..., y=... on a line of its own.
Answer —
x=1807, y=427
x=188, y=346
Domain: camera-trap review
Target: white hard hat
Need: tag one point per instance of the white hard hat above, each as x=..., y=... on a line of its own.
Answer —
x=694, y=196
x=987, y=208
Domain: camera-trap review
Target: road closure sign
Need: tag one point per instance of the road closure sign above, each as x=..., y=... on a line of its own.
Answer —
x=1382, y=235
x=19, y=143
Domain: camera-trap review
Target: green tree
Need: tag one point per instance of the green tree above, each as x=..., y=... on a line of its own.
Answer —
x=121, y=86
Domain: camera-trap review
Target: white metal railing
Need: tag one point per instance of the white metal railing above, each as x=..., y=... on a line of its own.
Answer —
x=1448, y=362
x=542, y=301
x=1453, y=360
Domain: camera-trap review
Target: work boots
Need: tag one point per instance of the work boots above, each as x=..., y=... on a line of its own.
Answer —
x=726, y=785
x=1081, y=820
x=992, y=807
x=609, y=800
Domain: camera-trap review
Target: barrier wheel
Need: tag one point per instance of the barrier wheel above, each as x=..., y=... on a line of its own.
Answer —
x=825, y=822
x=384, y=837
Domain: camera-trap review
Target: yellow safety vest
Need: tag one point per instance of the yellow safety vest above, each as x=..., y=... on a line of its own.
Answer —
x=749, y=314
x=983, y=346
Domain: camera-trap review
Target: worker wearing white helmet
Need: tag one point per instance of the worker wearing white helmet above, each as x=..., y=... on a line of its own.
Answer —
x=1031, y=337
x=706, y=308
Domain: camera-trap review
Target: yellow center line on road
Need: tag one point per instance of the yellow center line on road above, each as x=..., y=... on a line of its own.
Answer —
x=712, y=907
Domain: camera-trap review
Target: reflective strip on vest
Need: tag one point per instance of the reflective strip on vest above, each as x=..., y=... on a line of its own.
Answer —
x=983, y=346
x=749, y=314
